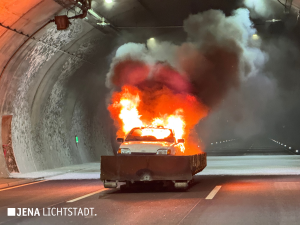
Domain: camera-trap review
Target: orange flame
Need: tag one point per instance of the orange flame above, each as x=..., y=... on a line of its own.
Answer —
x=129, y=113
x=179, y=112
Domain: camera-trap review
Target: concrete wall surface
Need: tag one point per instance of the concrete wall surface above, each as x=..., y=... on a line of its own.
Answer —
x=53, y=87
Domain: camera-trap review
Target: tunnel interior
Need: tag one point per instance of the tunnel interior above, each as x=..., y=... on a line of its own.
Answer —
x=53, y=87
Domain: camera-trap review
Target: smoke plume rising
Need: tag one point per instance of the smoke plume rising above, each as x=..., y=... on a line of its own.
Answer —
x=218, y=55
x=259, y=8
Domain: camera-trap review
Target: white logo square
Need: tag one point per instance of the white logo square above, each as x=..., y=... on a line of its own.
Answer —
x=11, y=212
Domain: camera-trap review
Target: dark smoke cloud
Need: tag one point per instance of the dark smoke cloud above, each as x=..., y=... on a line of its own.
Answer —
x=267, y=104
x=284, y=67
x=218, y=56
x=258, y=95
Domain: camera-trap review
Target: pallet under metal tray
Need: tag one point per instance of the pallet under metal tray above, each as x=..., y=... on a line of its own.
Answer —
x=151, y=167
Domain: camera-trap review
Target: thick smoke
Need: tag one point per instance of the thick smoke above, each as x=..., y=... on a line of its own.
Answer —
x=266, y=104
x=219, y=58
x=283, y=120
x=259, y=8
x=248, y=91
x=243, y=112
x=216, y=57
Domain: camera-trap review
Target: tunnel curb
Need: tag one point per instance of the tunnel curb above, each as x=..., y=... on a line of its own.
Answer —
x=31, y=180
x=15, y=183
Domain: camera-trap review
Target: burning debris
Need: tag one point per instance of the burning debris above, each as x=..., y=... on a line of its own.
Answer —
x=176, y=86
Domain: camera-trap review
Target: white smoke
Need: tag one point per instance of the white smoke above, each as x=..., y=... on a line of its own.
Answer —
x=213, y=28
x=259, y=8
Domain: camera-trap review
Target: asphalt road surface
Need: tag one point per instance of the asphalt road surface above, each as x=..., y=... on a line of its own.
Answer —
x=210, y=200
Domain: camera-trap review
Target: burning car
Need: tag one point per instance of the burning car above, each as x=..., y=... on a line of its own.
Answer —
x=153, y=150
x=151, y=154
x=150, y=141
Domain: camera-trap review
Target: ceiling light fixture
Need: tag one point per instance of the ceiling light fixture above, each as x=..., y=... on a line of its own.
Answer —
x=273, y=20
x=103, y=24
x=92, y=12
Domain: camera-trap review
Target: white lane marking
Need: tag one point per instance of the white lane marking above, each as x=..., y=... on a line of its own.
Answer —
x=212, y=194
x=88, y=195
x=5, y=189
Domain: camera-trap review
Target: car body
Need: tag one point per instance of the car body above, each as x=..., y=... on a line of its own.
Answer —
x=150, y=141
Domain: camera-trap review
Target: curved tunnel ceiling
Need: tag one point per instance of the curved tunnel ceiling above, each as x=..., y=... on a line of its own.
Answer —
x=54, y=86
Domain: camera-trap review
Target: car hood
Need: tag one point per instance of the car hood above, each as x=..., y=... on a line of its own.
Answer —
x=146, y=146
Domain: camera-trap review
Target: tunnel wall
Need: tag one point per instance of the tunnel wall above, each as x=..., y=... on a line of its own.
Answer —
x=43, y=89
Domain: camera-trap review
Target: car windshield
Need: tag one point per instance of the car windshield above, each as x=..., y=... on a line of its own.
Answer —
x=150, y=134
